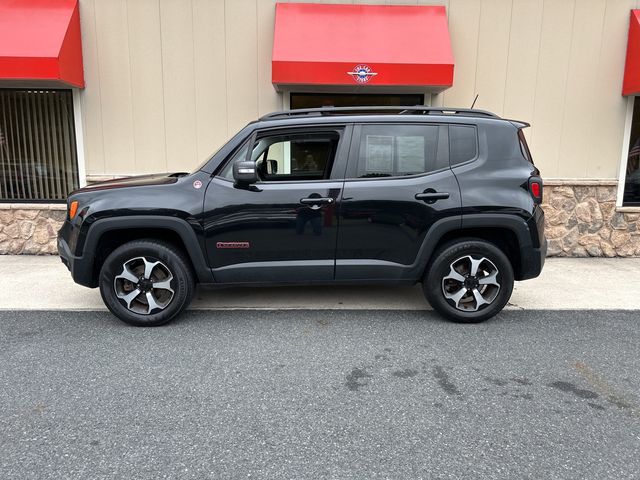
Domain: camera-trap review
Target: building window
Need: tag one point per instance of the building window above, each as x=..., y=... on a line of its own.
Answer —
x=631, y=196
x=316, y=100
x=38, y=157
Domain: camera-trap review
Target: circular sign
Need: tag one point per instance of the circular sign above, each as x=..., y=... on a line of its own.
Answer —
x=362, y=73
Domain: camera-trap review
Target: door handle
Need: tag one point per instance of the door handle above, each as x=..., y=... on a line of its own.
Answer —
x=316, y=201
x=431, y=196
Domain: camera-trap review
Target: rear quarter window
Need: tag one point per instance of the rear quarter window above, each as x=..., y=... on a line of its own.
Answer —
x=523, y=146
x=463, y=144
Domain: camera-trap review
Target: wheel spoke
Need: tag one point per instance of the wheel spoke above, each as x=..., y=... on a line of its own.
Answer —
x=479, y=299
x=152, y=302
x=474, y=265
x=127, y=274
x=454, y=275
x=490, y=280
x=148, y=267
x=456, y=296
x=164, y=284
x=130, y=297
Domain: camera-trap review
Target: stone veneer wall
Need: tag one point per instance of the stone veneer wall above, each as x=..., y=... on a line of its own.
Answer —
x=30, y=228
x=582, y=221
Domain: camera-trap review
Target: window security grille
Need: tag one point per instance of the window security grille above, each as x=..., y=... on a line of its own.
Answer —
x=38, y=157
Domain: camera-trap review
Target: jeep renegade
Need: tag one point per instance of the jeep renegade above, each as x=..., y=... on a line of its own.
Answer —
x=375, y=195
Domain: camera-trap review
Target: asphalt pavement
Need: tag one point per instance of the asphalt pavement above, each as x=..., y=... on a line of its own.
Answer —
x=305, y=394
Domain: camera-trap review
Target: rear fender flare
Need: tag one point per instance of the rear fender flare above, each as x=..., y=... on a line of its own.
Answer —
x=510, y=222
x=446, y=225
x=435, y=233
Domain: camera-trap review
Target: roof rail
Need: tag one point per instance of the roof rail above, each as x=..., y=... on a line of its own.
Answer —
x=397, y=110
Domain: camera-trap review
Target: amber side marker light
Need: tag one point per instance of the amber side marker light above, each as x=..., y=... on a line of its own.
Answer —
x=73, y=209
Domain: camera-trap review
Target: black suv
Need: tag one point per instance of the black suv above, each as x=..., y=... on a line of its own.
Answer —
x=446, y=197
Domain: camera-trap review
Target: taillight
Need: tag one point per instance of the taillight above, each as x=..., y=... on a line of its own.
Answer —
x=535, y=188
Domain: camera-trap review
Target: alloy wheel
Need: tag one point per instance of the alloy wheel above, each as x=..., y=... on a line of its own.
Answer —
x=144, y=285
x=472, y=283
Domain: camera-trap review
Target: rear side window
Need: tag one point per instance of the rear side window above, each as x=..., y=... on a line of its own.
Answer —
x=463, y=144
x=397, y=150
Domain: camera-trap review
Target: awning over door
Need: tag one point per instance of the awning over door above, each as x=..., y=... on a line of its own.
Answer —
x=356, y=45
x=631, y=84
x=40, y=43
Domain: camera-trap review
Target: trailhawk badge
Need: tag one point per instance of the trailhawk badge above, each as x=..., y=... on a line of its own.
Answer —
x=233, y=245
x=362, y=73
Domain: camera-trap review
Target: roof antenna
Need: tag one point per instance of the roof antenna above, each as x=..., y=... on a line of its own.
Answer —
x=474, y=100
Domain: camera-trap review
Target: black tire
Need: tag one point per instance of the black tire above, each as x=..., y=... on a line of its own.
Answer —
x=168, y=267
x=456, y=258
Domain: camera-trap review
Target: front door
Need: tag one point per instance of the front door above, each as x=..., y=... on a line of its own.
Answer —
x=283, y=229
x=398, y=184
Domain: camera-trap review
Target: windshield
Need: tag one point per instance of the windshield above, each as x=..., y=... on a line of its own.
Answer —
x=231, y=143
x=207, y=159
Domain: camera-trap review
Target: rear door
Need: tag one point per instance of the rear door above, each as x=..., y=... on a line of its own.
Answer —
x=284, y=228
x=398, y=184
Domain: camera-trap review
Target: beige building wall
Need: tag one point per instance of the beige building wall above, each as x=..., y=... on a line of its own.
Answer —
x=169, y=81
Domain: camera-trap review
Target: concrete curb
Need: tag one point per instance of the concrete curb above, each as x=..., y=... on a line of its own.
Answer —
x=43, y=283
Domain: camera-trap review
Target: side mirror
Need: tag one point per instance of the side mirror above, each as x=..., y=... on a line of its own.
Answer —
x=244, y=173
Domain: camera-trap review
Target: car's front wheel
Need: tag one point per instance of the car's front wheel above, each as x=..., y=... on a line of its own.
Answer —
x=469, y=280
x=146, y=282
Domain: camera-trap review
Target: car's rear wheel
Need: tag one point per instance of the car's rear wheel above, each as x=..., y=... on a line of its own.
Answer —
x=146, y=282
x=469, y=281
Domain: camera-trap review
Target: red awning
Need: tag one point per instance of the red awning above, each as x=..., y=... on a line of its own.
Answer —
x=40, y=40
x=377, y=45
x=631, y=84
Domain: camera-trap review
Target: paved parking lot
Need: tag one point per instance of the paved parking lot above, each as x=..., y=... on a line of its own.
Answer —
x=320, y=394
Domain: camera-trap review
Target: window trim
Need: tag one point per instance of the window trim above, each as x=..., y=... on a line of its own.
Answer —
x=78, y=119
x=622, y=166
x=354, y=152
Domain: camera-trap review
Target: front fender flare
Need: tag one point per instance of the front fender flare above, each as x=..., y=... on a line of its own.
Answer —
x=177, y=225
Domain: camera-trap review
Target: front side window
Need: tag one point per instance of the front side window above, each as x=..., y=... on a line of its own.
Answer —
x=631, y=194
x=306, y=156
x=290, y=157
x=38, y=158
x=398, y=150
